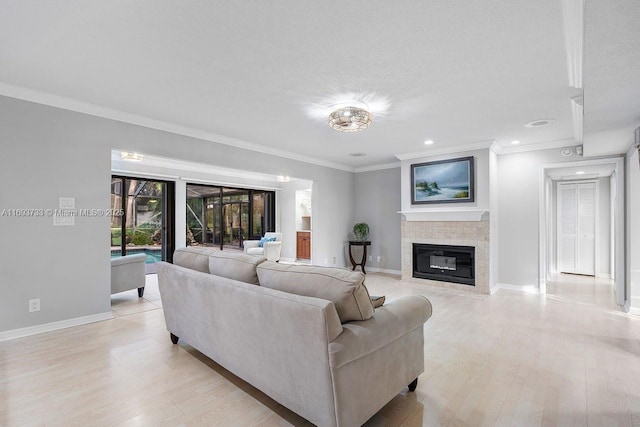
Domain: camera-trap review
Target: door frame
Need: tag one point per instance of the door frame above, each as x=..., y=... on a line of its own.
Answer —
x=544, y=246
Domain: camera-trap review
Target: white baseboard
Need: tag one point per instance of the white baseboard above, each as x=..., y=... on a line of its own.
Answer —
x=633, y=306
x=531, y=289
x=54, y=326
x=382, y=270
x=604, y=276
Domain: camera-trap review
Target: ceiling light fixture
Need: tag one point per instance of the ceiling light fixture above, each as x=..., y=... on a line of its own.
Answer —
x=283, y=178
x=580, y=173
x=428, y=142
x=350, y=119
x=515, y=142
x=131, y=157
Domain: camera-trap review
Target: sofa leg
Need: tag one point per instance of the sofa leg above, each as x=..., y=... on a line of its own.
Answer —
x=174, y=339
x=140, y=292
x=413, y=385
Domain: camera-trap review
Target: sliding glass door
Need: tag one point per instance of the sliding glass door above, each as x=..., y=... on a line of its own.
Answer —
x=146, y=225
x=225, y=217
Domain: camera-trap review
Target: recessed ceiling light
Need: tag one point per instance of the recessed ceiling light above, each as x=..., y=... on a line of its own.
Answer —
x=539, y=123
x=131, y=157
x=515, y=142
x=580, y=173
x=428, y=142
x=357, y=154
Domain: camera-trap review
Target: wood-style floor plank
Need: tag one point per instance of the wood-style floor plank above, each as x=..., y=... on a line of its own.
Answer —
x=569, y=358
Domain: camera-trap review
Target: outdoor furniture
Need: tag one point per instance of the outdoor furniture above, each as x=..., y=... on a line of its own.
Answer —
x=268, y=249
x=127, y=272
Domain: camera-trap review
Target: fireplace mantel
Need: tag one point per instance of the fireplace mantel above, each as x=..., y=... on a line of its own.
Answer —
x=446, y=215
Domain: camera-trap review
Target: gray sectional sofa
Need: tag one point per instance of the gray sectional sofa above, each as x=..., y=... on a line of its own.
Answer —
x=306, y=336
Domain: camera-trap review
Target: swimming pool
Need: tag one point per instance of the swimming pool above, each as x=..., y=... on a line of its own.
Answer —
x=153, y=255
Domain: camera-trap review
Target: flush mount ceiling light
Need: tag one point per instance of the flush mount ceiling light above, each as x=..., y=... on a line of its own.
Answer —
x=428, y=142
x=131, y=157
x=515, y=142
x=539, y=123
x=350, y=118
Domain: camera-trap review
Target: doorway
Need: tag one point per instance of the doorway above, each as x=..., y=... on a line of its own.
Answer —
x=226, y=217
x=550, y=233
x=142, y=219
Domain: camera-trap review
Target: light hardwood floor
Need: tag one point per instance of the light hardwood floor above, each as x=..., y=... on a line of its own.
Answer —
x=512, y=359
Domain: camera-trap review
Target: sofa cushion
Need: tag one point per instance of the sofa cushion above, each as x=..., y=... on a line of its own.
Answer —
x=343, y=287
x=235, y=265
x=193, y=257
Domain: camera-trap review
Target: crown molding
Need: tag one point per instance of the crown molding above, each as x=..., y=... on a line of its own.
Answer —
x=447, y=150
x=77, y=106
x=377, y=167
x=540, y=146
x=577, y=112
x=573, y=22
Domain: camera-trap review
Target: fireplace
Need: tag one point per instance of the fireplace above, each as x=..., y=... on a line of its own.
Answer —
x=445, y=263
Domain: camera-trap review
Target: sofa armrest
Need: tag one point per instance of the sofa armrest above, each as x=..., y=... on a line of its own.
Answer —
x=390, y=322
x=272, y=250
x=250, y=244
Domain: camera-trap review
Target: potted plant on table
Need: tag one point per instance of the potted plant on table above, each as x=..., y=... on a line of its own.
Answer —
x=361, y=231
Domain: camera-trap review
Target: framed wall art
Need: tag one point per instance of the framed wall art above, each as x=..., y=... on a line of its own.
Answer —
x=444, y=181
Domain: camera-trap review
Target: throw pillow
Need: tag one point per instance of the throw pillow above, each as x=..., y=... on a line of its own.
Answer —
x=344, y=288
x=377, y=301
x=265, y=240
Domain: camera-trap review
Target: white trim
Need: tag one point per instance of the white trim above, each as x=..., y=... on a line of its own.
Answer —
x=447, y=150
x=530, y=289
x=445, y=215
x=522, y=148
x=577, y=112
x=377, y=167
x=383, y=270
x=573, y=20
x=122, y=172
x=227, y=184
x=604, y=276
x=121, y=116
x=54, y=326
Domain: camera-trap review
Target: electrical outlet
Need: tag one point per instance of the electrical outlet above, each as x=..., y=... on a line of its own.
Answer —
x=334, y=260
x=379, y=258
x=370, y=258
x=34, y=305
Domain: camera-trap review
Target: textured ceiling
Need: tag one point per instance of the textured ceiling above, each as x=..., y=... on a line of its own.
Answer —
x=611, y=75
x=266, y=73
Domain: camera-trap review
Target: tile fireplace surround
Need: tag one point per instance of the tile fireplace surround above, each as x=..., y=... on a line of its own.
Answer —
x=462, y=233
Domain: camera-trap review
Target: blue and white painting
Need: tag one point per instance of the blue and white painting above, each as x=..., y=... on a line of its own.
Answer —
x=443, y=182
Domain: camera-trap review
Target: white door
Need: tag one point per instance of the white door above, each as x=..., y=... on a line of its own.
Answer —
x=577, y=203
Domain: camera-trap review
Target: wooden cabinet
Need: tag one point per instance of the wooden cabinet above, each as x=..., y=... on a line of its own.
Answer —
x=303, y=245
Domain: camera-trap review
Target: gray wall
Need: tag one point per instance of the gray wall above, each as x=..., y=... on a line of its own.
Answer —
x=377, y=202
x=48, y=153
x=518, y=210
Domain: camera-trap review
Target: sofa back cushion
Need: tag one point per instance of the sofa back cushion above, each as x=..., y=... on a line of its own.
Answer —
x=193, y=257
x=230, y=264
x=235, y=265
x=343, y=287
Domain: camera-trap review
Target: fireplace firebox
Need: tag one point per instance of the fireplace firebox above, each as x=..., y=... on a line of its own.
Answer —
x=445, y=263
